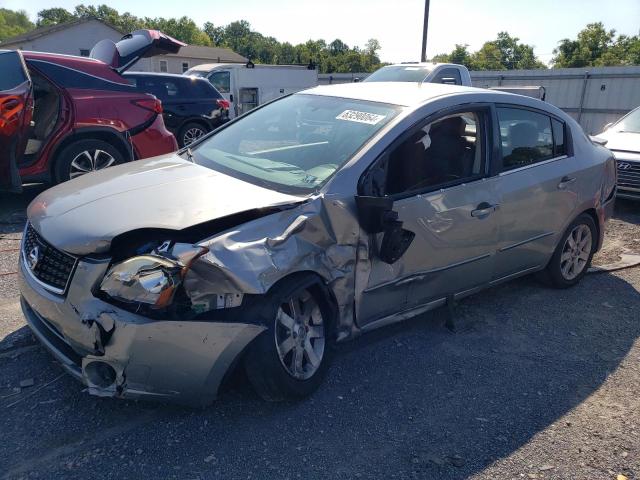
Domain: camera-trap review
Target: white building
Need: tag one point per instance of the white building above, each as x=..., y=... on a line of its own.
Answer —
x=79, y=36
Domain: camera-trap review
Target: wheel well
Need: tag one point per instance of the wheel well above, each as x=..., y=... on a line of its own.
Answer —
x=319, y=286
x=594, y=215
x=110, y=137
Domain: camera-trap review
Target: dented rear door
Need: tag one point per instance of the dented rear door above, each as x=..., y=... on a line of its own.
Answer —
x=16, y=110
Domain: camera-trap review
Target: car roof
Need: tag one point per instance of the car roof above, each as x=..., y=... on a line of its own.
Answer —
x=407, y=94
x=417, y=64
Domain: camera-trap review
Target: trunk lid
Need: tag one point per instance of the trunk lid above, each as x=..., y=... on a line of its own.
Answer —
x=134, y=46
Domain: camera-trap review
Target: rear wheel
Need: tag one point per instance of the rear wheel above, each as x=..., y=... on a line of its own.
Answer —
x=573, y=255
x=290, y=359
x=85, y=156
x=190, y=133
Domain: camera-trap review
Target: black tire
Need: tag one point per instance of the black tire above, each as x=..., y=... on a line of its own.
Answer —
x=73, y=152
x=188, y=128
x=553, y=275
x=264, y=368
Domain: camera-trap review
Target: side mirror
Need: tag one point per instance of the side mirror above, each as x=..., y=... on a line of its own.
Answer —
x=376, y=215
x=372, y=212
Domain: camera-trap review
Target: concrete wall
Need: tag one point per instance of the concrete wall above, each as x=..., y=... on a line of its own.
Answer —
x=70, y=41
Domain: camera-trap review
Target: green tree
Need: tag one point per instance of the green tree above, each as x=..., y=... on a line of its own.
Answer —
x=14, y=23
x=338, y=47
x=53, y=16
x=595, y=46
x=460, y=55
x=503, y=53
x=489, y=57
x=215, y=34
x=512, y=54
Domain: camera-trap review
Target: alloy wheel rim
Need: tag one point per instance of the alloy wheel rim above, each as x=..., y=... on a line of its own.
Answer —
x=90, y=161
x=192, y=135
x=576, y=252
x=299, y=335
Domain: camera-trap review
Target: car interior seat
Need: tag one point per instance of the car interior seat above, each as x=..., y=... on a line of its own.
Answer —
x=45, y=115
x=450, y=155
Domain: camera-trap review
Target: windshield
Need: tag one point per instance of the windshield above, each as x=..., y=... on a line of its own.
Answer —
x=630, y=123
x=294, y=144
x=399, y=73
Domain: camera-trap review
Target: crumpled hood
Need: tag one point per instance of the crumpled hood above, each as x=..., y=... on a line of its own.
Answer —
x=82, y=216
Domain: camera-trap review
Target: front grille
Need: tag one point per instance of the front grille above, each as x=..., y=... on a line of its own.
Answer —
x=52, y=267
x=628, y=174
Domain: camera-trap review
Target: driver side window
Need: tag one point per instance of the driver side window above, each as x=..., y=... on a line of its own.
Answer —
x=221, y=80
x=442, y=153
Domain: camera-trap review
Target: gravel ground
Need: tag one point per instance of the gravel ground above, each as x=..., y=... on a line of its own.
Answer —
x=537, y=383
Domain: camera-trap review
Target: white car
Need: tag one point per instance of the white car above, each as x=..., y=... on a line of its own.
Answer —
x=623, y=139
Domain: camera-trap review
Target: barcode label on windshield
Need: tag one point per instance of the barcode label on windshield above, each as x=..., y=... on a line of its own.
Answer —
x=361, y=117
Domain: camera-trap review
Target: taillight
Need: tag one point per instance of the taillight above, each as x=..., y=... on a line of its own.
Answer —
x=222, y=103
x=152, y=104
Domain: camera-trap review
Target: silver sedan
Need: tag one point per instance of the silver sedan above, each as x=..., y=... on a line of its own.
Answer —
x=307, y=221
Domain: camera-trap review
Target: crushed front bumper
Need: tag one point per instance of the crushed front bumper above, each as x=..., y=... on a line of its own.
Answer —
x=116, y=353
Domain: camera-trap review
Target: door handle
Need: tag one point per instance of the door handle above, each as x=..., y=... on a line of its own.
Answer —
x=566, y=180
x=484, y=210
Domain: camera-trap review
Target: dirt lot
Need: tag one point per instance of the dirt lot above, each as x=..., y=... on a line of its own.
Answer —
x=537, y=383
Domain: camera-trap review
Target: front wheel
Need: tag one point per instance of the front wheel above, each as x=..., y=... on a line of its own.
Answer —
x=573, y=255
x=290, y=359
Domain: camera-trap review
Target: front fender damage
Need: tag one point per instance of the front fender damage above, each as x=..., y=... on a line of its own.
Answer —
x=319, y=236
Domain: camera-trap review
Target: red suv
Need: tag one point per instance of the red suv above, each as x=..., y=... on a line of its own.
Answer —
x=63, y=116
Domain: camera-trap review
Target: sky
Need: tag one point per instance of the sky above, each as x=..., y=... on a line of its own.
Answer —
x=396, y=24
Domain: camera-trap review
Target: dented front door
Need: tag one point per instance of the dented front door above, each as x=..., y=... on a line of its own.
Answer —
x=452, y=251
x=16, y=110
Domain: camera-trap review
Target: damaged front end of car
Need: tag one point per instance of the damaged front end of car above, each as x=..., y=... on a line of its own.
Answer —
x=166, y=315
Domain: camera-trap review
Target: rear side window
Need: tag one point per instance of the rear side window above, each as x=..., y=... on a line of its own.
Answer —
x=201, y=89
x=12, y=71
x=160, y=87
x=559, y=138
x=449, y=76
x=526, y=137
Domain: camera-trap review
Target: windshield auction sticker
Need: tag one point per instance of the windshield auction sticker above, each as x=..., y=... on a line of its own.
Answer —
x=360, y=117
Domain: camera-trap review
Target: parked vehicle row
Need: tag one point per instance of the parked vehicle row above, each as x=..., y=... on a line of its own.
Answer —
x=63, y=116
x=245, y=86
x=310, y=220
x=191, y=106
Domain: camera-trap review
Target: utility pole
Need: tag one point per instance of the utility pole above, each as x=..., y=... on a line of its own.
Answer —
x=425, y=28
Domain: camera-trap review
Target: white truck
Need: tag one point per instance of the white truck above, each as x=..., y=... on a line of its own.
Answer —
x=449, y=73
x=248, y=85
